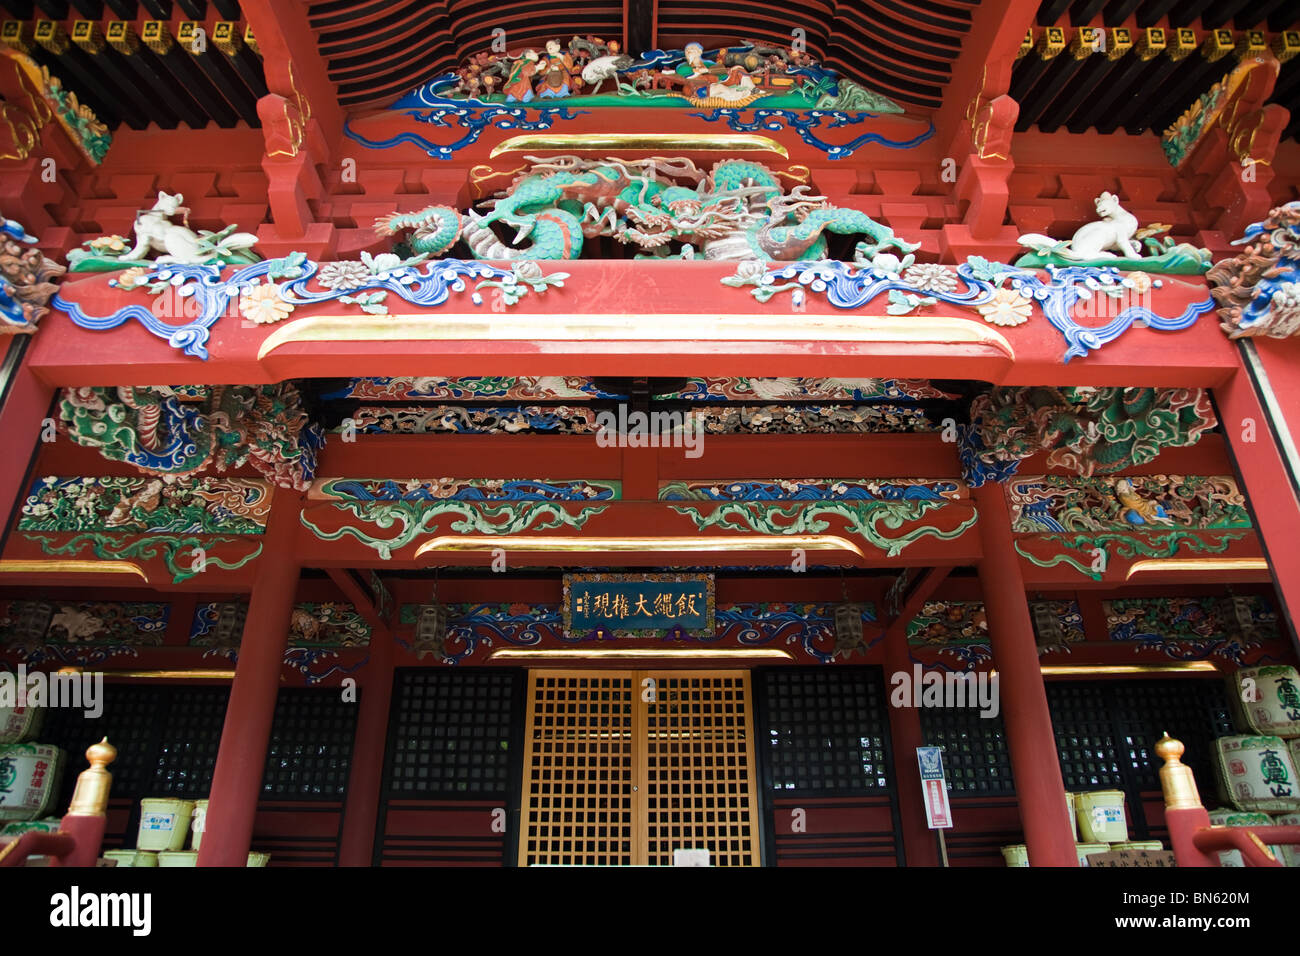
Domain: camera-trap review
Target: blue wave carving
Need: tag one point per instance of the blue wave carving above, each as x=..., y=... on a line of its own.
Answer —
x=804, y=122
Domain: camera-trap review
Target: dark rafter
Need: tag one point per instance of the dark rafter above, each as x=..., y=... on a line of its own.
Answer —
x=640, y=25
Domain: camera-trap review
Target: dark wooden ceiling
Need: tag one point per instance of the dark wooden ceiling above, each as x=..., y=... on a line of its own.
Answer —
x=376, y=50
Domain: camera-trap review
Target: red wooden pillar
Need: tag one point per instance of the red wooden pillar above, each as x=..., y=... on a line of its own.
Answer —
x=365, y=779
x=1253, y=438
x=905, y=729
x=237, y=779
x=1040, y=790
x=24, y=404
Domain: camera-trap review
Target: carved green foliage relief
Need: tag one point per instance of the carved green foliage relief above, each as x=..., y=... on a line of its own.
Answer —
x=871, y=520
x=411, y=520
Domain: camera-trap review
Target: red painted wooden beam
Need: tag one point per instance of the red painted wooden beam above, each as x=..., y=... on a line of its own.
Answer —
x=719, y=335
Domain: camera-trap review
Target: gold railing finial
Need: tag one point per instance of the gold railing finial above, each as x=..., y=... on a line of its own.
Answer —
x=1176, y=778
x=90, y=798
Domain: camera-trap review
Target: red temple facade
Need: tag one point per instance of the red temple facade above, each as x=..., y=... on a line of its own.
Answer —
x=463, y=438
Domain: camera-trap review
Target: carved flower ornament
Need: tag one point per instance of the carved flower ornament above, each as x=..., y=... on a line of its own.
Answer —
x=262, y=304
x=1007, y=308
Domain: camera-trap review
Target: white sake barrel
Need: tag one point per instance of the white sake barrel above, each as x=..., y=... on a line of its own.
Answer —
x=1230, y=818
x=1101, y=816
x=164, y=824
x=18, y=724
x=1290, y=851
x=1266, y=700
x=29, y=779
x=1256, y=774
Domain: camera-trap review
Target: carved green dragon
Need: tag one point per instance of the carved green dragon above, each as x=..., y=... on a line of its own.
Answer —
x=738, y=210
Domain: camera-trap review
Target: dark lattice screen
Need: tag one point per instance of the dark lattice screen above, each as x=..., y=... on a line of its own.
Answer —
x=823, y=731
x=1085, y=735
x=451, y=733
x=976, y=761
x=1106, y=730
x=166, y=738
x=1106, y=733
x=310, y=750
x=1196, y=712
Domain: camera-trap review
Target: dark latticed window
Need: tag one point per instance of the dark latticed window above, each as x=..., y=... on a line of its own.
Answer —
x=310, y=750
x=166, y=738
x=451, y=733
x=823, y=731
x=1106, y=730
x=976, y=760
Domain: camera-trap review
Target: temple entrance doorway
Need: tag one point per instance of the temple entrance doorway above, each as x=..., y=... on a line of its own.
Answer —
x=628, y=767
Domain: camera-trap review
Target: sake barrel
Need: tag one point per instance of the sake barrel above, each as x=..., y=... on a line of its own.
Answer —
x=164, y=823
x=1256, y=774
x=1074, y=822
x=1230, y=818
x=1266, y=700
x=1101, y=816
x=133, y=858
x=178, y=858
x=20, y=723
x=1084, y=850
x=1290, y=851
x=29, y=779
x=18, y=828
x=1017, y=855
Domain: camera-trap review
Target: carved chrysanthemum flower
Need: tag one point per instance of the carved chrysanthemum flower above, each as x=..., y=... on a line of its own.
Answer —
x=129, y=279
x=343, y=275
x=931, y=277
x=263, y=305
x=1007, y=308
x=1139, y=282
x=108, y=244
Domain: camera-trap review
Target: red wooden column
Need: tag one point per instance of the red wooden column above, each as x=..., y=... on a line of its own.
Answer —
x=24, y=403
x=905, y=729
x=1253, y=439
x=1040, y=789
x=237, y=779
x=365, y=779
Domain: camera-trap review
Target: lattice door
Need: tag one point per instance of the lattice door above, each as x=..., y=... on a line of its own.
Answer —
x=699, y=767
x=578, y=801
x=616, y=774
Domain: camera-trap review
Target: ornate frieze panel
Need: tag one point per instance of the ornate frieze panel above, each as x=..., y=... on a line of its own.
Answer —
x=1194, y=628
x=159, y=432
x=80, y=632
x=581, y=420
x=1086, y=430
x=889, y=526
x=806, y=630
x=959, y=630
x=534, y=388
x=747, y=87
x=1093, y=553
x=812, y=489
x=982, y=287
x=182, y=556
x=170, y=504
x=388, y=526
x=318, y=632
x=463, y=489
x=1052, y=503
x=268, y=292
x=1258, y=291
x=27, y=280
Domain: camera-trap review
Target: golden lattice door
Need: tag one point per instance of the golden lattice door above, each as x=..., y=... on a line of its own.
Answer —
x=625, y=767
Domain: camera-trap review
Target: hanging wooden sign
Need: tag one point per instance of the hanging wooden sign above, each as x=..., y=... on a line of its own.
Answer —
x=638, y=605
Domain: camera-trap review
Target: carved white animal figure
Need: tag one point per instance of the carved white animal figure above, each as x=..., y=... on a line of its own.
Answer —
x=154, y=231
x=1103, y=239
x=604, y=68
